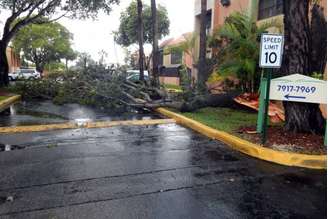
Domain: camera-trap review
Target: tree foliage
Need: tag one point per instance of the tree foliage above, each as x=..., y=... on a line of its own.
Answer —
x=84, y=60
x=96, y=85
x=127, y=32
x=31, y=11
x=44, y=43
x=34, y=11
x=238, y=41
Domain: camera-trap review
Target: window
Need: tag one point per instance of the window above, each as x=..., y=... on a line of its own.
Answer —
x=270, y=8
x=208, y=22
x=176, y=58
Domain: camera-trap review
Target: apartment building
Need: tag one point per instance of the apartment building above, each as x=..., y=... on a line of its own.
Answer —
x=218, y=10
x=13, y=59
x=171, y=62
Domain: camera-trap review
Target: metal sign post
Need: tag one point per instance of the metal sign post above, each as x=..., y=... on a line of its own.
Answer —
x=271, y=51
x=260, y=116
x=267, y=102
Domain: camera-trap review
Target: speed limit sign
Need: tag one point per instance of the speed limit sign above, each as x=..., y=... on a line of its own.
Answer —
x=271, y=50
x=270, y=57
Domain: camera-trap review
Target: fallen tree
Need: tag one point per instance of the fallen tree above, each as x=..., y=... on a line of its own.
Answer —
x=106, y=88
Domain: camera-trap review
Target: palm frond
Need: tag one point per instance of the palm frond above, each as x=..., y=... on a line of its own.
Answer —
x=240, y=50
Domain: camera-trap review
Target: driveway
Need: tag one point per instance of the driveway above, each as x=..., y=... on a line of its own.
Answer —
x=159, y=171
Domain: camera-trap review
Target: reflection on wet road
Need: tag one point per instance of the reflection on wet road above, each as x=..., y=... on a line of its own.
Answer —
x=39, y=113
x=158, y=171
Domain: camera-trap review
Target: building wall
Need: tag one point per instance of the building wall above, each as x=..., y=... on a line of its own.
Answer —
x=324, y=5
x=167, y=60
x=220, y=12
x=13, y=60
x=186, y=60
x=169, y=80
x=280, y=18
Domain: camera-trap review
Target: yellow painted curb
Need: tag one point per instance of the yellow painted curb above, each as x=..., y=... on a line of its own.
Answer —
x=106, y=124
x=38, y=128
x=73, y=125
x=4, y=104
x=254, y=150
x=173, y=90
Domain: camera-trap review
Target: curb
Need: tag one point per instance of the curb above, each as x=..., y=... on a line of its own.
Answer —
x=9, y=101
x=76, y=125
x=251, y=149
x=172, y=90
x=107, y=124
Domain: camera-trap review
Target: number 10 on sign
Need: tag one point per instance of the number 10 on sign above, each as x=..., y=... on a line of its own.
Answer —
x=271, y=50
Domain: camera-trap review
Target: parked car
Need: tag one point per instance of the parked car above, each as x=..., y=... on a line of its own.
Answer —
x=24, y=74
x=133, y=75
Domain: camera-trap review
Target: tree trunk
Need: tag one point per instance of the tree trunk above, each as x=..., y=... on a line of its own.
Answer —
x=155, y=56
x=300, y=117
x=140, y=38
x=85, y=64
x=202, y=48
x=318, y=39
x=66, y=65
x=211, y=100
x=4, y=66
x=39, y=67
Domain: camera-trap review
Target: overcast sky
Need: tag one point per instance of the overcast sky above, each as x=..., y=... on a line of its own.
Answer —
x=93, y=36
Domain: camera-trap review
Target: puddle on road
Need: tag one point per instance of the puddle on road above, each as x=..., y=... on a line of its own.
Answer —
x=8, y=147
x=45, y=115
x=45, y=112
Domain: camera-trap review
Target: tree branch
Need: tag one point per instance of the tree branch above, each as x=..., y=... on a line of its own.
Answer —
x=28, y=19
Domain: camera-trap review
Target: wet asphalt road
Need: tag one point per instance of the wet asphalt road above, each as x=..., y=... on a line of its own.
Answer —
x=160, y=171
x=45, y=112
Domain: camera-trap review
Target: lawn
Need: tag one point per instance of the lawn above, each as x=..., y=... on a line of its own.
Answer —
x=230, y=121
x=3, y=98
x=224, y=119
x=173, y=87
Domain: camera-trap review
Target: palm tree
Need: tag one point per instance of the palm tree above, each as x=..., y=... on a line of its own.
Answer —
x=155, y=56
x=238, y=42
x=201, y=79
x=140, y=39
